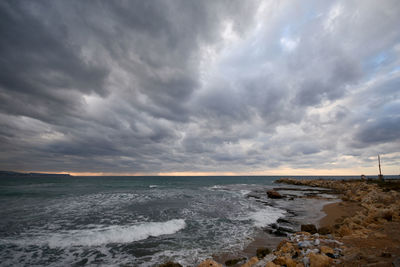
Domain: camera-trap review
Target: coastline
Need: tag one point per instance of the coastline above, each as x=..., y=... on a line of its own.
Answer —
x=362, y=229
x=311, y=202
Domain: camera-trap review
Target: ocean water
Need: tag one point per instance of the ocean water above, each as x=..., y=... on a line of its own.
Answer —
x=137, y=221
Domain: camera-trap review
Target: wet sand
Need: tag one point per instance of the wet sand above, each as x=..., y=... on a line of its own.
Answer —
x=262, y=240
x=336, y=212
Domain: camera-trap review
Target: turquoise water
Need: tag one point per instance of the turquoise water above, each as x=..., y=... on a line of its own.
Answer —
x=137, y=221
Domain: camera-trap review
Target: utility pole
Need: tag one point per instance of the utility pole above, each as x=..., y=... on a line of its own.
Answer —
x=380, y=176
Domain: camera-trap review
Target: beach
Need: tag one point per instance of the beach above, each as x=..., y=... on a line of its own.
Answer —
x=362, y=229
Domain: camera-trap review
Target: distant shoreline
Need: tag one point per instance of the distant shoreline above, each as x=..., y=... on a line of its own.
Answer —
x=31, y=174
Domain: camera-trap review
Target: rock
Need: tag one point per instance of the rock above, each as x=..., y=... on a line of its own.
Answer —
x=274, y=194
x=210, y=263
x=325, y=250
x=271, y=264
x=234, y=261
x=324, y=230
x=319, y=260
x=287, y=248
x=306, y=261
x=304, y=244
x=310, y=228
x=396, y=262
x=281, y=244
x=317, y=242
x=262, y=252
x=344, y=230
x=287, y=261
x=81, y=262
x=277, y=233
x=251, y=262
x=281, y=220
x=386, y=254
x=290, y=262
x=170, y=264
x=280, y=260
x=308, y=251
x=333, y=256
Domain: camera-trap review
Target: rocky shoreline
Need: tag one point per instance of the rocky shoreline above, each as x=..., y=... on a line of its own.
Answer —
x=366, y=236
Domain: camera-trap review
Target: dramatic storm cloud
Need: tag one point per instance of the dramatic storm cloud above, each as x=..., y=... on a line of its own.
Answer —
x=148, y=87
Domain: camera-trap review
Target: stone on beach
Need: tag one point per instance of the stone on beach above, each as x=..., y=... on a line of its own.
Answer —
x=310, y=228
x=324, y=230
x=262, y=252
x=234, y=261
x=326, y=250
x=285, y=261
x=170, y=264
x=318, y=260
x=209, y=263
x=274, y=194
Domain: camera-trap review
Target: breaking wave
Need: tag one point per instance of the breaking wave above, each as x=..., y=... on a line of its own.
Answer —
x=266, y=216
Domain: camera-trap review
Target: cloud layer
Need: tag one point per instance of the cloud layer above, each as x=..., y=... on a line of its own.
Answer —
x=199, y=86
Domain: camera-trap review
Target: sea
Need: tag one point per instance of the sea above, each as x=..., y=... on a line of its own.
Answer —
x=142, y=221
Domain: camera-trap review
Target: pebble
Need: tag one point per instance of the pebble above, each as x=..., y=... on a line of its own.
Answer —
x=306, y=261
x=308, y=251
x=304, y=244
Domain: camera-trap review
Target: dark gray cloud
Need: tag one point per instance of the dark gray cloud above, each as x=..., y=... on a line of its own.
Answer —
x=167, y=86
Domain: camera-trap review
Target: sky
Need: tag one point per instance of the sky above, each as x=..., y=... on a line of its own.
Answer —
x=185, y=87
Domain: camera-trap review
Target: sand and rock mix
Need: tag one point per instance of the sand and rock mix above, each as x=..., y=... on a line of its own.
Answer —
x=362, y=230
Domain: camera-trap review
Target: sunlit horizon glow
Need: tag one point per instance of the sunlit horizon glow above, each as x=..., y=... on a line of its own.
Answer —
x=370, y=171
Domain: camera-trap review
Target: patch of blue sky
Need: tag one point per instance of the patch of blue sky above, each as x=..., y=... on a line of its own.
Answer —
x=377, y=62
x=395, y=69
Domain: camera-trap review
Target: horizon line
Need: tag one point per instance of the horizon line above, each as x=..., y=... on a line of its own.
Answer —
x=199, y=174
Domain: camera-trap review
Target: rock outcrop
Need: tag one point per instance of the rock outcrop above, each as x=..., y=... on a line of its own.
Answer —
x=274, y=194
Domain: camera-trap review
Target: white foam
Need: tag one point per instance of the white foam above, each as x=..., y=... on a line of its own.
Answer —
x=102, y=235
x=153, y=186
x=216, y=187
x=266, y=216
x=245, y=192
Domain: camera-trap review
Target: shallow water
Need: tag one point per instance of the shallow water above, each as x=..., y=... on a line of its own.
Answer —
x=139, y=221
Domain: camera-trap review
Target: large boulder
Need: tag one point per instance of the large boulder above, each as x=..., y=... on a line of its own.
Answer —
x=234, y=261
x=274, y=194
x=262, y=252
x=209, y=263
x=285, y=261
x=325, y=230
x=310, y=228
x=318, y=260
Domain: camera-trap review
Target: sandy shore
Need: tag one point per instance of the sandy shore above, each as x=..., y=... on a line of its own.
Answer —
x=378, y=247
x=336, y=212
x=361, y=230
